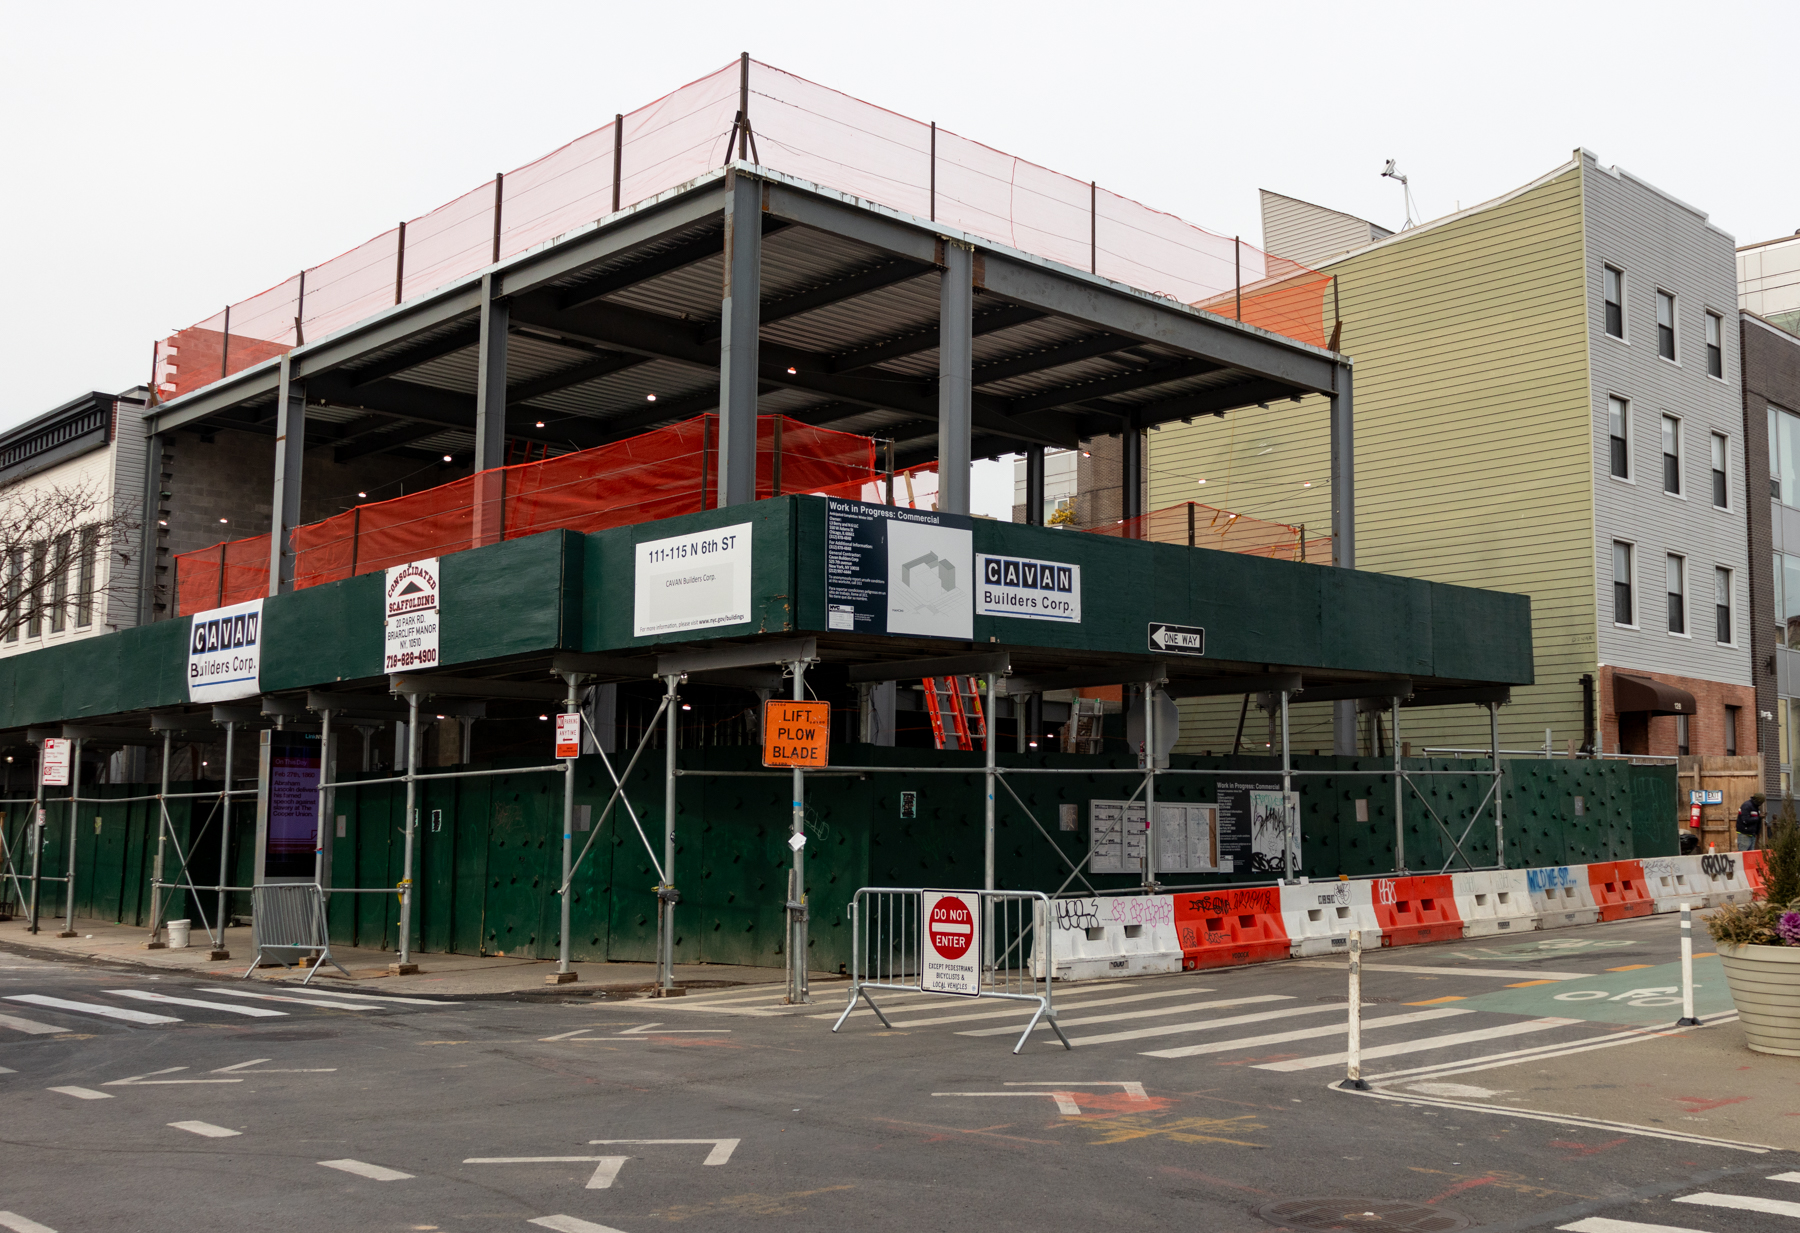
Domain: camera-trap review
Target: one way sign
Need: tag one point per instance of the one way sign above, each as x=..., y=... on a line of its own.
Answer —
x=1177, y=639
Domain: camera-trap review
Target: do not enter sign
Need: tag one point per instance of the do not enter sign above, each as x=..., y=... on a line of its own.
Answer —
x=952, y=932
x=796, y=733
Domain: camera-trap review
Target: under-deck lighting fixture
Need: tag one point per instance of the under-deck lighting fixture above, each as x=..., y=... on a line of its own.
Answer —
x=687, y=706
x=1307, y=484
x=446, y=458
x=545, y=718
x=363, y=495
x=224, y=520
x=1200, y=481
x=540, y=423
x=650, y=397
x=793, y=371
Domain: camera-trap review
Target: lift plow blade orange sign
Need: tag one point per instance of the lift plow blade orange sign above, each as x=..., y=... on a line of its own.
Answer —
x=796, y=733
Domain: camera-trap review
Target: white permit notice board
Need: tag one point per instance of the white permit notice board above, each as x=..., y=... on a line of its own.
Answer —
x=1187, y=839
x=952, y=952
x=696, y=581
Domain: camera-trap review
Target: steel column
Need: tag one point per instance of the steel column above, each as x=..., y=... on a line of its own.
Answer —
x=405, y=966
x=797, y=901
x=490, y=381
x=1499, y=816
x=290, y=459
x=1131, y=473
x=739, y=322
x=153, y=487
x=571, y=706
x=1034, y=485
x=956, y=389
x=666, y=893
x=1343, y=528
x=74, y=806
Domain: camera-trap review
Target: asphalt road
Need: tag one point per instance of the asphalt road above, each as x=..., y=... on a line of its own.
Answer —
x=1188, y=1102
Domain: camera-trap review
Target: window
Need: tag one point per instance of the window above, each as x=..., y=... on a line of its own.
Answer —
x=84, y=593
x=1665, y=325
x=1618, y=413
x=34, y=591
x=1721, y=491
x=1731, y=744
x=1722, y=605
x=1681, y=735
x=15, y=579
x=1671, y=441
x=59, y=585
x=1784, y=455
x=1673, y=571
x=1787, y=600
x=1622, y=611
x=1715, y=348
x=1615, y=302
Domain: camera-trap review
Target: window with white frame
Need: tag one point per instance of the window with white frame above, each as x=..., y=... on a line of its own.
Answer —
x=1681, y=735
x=1715, y=346
x=1674, y=572
x=1624, y=612
x=1615, y=301
x=1671, y=453
x=1618, y=419
x=1722, y=605
x=1721, y=490
x=1665, y=325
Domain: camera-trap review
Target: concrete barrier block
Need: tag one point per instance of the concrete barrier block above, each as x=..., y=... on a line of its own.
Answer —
x=1321, y=915
x=1494, y=901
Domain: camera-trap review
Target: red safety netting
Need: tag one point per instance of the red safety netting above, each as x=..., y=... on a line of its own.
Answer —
x=801, y=128
x=1208, y=526
x=654, y=475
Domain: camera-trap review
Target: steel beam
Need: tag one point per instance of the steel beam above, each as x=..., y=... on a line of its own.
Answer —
x=983, y=663
x=956, y=389
x=1477, y=695
x=1146, y=377
x=290, y=461
x=747, y=655
x=490, y=378
x=1401, y=687
x=1131, y=473
x=1219, y=687
x=1124, y=674
x=1045, y=358
x=447, y=344
x=991, y=321
x=738, y=340
x=604, y=665
x=473, y=687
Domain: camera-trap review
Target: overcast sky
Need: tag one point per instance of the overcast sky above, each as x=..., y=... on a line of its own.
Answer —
x=162, y=160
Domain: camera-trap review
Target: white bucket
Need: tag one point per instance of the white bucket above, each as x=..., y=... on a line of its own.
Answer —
x=178, y=933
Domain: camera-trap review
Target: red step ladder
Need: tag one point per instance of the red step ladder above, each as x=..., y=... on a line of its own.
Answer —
x=968, y=723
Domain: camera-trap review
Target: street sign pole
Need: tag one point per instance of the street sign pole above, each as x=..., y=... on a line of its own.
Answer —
x=797, y=878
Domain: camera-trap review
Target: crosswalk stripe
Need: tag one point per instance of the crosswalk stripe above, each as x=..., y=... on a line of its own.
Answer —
x=1419, y=1046
x=367, y=997
x=21, y=1224
x=1120, y=1016
x=363, y=1168
x=1025, y=1008
x=911, y=1003
x=206, y=1130
x=276, y=997
x=1203, y=1025
x=83, y=1093
x=29, y=1026
x=91, y=1008
x=1282, y=1038
x=1785, y=1177
x=1601, y=1224
x=1744, y=1203
x=1496, y=973
x=146, y=995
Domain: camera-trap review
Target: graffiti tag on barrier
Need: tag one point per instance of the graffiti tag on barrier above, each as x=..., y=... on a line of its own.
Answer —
x=1660, y=867
x=1384, y=891
x=1539, y=880
x=1140, y=910
x=1714, y=865
x=1262, y=899
x=1077, y=913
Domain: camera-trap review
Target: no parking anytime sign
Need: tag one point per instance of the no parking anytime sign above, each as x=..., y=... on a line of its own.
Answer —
x=952, y=932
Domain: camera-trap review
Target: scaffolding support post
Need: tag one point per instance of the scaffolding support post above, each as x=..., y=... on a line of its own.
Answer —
x=1399, y=788
x=571, y=706
x=797, y=943
x=324, y=801
x=162, y=841
x=218, y=950
x=37, y=841
x=68, y=930
x=1499, y=817
x=405, y=966
x=1150, y=786
x=666, y=895
x=1288, y=820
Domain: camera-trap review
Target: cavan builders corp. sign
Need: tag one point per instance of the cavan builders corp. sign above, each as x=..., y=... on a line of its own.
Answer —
x=225, y=653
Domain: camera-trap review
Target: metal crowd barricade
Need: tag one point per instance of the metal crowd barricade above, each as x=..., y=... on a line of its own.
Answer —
x=291, y=916
x=887, y=941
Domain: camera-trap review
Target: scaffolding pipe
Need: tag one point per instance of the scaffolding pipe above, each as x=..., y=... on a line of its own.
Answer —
x=225, y=835
x=37, y=840
x=1287, y=786
x=1150, y=786
x=323, y=795
x=571, y=705
x=796, y=902
x=1499, y=817
x=406, y=858
x=162, y=843
x=665, y=893
x=1399, y=787
x=74, y=806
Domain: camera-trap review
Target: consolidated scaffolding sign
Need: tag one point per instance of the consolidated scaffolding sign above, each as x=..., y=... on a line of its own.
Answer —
x=410, y=628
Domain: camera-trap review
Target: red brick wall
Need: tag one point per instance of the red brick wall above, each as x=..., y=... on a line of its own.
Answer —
x=1706, y=728
x=192, y=359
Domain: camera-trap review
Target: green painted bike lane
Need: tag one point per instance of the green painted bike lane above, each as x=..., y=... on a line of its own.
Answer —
x=1640, y=996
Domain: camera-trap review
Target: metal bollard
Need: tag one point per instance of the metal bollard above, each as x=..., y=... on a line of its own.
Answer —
x=1687, y=969
x=1353, y=1079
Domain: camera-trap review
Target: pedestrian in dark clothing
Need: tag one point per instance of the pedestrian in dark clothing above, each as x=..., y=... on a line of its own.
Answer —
x=1750, y=824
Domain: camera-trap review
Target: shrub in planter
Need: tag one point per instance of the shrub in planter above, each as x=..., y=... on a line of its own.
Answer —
x=1759, y=946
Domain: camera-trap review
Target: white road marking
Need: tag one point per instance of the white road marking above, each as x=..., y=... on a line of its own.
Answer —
x=566, y=1035
x=83, y=1093
x=915, y=1003
x=606, y=1168
x=1203, y=1025
x=276, y=997
x=1428, y=1042
x=1744, y=1203
x=1023, y=1008
x=1600, y=1224
x=1785, y=1177
x=1026, y=1008
x=1488, y=1061
x=1282, y=1038
x=150, y=1080
x=29, y=1026
x=146, y=995
x=245, y=1067
x=721, y=1148
x=569, y=1224
x=366, y=997
x=1132, y=1087
x=374, y=1173
x=1118, y=1017
x=206, y=1129
x=645, y=1029
x=1496, y=973
x=90, y=1008
x=19, y=1224
x=7, y=1070
x=1065, y=1105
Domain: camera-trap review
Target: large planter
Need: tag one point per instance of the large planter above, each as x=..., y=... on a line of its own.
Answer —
x=1765, y=984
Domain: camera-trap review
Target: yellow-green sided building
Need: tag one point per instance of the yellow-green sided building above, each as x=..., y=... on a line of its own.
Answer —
x=1546, y=402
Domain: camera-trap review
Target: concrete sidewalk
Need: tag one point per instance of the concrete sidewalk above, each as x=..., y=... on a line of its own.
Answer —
x=458, y=975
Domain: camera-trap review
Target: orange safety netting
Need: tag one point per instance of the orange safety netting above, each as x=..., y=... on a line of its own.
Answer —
x=657, y=474
x=801, y=128
x=1207, y=526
